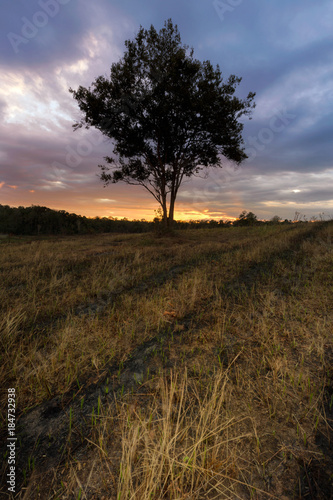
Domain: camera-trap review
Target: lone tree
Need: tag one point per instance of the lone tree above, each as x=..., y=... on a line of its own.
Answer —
x=168, y=114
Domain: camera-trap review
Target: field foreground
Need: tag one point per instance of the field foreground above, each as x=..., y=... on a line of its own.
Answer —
x=190, y=367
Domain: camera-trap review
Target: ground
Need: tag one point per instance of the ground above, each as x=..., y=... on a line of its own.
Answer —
x=193, y=366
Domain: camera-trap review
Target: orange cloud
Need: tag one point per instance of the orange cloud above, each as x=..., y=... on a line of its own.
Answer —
x=1, y=184
x=12, y=187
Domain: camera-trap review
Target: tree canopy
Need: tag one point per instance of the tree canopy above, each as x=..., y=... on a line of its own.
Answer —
x=246, y=219
x=168, y=114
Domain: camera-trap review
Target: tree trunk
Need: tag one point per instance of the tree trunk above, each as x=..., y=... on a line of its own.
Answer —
x=165, y=211
x=171, y=210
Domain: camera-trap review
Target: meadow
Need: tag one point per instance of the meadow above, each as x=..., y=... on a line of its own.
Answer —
x=185, y=367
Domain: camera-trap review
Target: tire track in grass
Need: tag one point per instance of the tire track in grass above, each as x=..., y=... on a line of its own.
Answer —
x=152, y=282
x=48, y=423
x=252, y=273
x=155, y=281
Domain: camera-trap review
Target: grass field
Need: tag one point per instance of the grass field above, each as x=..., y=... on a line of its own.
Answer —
x=189, y=367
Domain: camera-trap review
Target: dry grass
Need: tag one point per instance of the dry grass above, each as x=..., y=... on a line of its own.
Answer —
x=185, y=442
x=233, y=399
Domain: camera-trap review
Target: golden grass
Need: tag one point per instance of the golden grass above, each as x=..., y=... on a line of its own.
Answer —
x=233, y=402
x=184, y=442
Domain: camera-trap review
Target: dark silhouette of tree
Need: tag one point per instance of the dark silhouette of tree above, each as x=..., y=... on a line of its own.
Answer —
x=168, y=114
x=276, y=219
x=246, y=219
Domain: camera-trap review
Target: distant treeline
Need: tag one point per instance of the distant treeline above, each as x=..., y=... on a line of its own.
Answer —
x=37, y=220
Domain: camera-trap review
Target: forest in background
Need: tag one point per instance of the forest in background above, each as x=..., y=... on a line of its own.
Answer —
x=37, y=220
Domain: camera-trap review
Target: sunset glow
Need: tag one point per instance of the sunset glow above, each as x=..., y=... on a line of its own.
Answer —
x=288, y=142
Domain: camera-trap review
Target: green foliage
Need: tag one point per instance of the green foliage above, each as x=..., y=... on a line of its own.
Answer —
x=168, y=114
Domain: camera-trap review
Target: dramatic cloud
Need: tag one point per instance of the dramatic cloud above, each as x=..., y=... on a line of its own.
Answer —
x=282, y=50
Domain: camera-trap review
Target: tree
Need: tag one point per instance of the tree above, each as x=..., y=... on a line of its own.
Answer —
x=168, y=114
x=246, y=219
x=276, y=219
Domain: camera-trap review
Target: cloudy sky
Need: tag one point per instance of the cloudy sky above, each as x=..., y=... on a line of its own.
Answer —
x=283, y=50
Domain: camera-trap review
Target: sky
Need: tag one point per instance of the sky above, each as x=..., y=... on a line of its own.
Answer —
x=283, y=51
